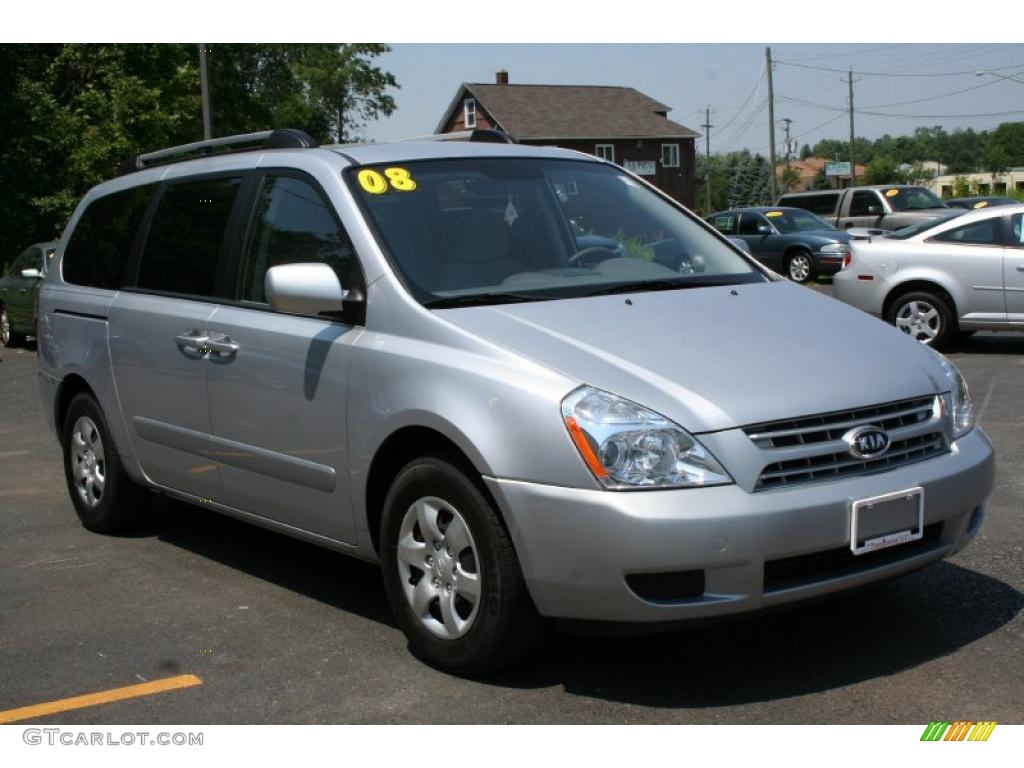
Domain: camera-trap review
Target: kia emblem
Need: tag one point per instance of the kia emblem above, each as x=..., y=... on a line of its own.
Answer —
x=868, y=442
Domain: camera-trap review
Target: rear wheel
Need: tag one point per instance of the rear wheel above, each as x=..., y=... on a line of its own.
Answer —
x=105, y=498
x=451, y=572
x=8, y=338
x=924, y=316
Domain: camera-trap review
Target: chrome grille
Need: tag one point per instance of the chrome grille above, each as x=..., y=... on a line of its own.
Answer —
x=810, y=449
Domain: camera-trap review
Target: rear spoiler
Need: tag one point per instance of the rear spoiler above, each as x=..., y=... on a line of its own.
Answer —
x=865, y=233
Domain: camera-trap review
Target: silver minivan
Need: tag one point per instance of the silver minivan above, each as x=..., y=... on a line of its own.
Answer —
x=527, y=383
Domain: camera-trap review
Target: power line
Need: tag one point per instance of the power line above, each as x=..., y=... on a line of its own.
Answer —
x=850, y=53
x=895, y=74
x=750, y=98
x=844, y=110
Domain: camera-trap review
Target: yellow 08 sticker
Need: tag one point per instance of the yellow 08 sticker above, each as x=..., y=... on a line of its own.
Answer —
x=398, y=179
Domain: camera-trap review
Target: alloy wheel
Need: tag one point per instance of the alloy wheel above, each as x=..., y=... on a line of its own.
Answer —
x=5, y=329
x=439, y=568
x=799, y=268
x=88, y=461
x=920, y=320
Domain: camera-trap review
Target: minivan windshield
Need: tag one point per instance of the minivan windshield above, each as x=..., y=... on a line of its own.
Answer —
x=495, y=230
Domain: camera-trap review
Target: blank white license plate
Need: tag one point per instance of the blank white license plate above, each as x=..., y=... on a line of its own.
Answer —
x=887, y=521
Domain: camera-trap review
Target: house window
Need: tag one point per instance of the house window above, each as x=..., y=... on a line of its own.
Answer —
x=670, y=155
x=469, y=113
x=605, y=152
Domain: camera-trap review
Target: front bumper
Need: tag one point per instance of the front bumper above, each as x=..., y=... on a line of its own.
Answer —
x=577, y=546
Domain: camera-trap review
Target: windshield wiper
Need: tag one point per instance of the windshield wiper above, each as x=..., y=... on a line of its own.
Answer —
x=653, y=285
x=477, y=299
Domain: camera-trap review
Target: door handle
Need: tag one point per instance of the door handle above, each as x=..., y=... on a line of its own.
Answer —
x=221, y=345
x=192, y=342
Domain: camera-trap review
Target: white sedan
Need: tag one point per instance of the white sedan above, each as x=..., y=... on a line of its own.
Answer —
x=938, y=280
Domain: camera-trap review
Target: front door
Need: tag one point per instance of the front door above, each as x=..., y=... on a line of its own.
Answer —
x=974, y=253
x=1013, y=270
x=278, y=387
x=17, y=293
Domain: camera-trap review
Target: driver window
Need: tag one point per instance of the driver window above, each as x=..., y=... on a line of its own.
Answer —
x=980, y=233
x=862, y=201
x=1017, y=228
x=27, y=259
x=749, y=222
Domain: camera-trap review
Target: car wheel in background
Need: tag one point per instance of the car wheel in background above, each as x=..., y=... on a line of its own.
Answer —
x=451, y=573
x=924, y=316
x=105, y=498
x=8, y=338
x=799, y=267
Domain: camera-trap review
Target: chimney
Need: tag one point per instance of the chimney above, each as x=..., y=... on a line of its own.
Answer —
x=501, y=77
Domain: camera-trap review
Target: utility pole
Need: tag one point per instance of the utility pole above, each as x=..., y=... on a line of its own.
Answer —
x=853, y=165
x=707, y=157
x=771, y=124
x=204, y=85
x=788, y=122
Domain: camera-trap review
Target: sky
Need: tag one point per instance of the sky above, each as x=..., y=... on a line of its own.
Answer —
x=930, y=84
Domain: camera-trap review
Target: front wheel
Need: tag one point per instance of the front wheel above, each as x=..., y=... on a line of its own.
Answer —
x=451, y=573
x=799, y=267
x=8, y=338
x=924, y=316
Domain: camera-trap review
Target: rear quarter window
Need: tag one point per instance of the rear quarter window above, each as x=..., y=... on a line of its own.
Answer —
x=823, y=204
x=100, y=244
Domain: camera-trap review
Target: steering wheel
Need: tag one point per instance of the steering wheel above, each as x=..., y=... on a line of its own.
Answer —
x=580, y=258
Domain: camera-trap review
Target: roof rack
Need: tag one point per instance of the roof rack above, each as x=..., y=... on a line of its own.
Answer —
x=492, y=136
x=282, y=138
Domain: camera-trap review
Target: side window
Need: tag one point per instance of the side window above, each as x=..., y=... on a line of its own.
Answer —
x=670, y=155
x=862, y=201
x=749, y=222
x=725, y=223
x=1017, y=230
x=99, y=246
x=293, y=223
x=27, y=259
x=186, y=236
x=605, y=152
x=979, y=233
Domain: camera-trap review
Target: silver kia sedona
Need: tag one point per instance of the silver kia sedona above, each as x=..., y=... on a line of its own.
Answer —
x=521, y=379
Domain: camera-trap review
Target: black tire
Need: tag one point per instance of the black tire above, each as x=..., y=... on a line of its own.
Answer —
x=122, y=504
x=799, y=267
x=937, y=332
x=506, y=626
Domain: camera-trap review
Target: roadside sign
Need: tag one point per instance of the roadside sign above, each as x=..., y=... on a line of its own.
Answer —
x=837, y=169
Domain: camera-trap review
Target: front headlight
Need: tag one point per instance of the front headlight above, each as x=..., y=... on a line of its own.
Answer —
x=628, y=446
x=837, y=249
x=963, y=407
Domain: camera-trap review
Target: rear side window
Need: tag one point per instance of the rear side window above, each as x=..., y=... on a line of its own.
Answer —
x=823, y=204
x=100, y=244
x=186, y=236
x=980, y=233
x=725, y=223
x=294, y=224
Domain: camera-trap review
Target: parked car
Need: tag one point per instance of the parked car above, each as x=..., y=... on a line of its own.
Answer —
x=400, y=351
x=19, y=290
x=936, y=281
x=971, y=203
x=888, y=207
x=791, y=241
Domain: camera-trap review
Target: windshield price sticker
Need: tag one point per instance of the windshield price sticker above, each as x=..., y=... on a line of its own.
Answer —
x=981, y=204
x=375, y=183
x=773, y=214
x=892, y=193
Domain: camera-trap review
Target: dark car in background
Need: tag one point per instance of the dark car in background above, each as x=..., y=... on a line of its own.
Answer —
x=19, y=293
x=971, y=203
x=792, y=241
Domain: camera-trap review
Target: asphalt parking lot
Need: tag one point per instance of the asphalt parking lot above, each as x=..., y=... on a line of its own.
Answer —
x=280, y=631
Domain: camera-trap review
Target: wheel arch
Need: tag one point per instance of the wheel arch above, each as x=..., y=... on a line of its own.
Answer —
x=70, y=386
x=398, y=449
x=920, y=284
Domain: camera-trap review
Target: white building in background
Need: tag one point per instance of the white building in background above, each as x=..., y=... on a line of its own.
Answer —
x=980, y=183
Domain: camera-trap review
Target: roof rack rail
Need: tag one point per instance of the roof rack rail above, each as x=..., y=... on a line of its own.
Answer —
x=488, y=135
x=282, y=138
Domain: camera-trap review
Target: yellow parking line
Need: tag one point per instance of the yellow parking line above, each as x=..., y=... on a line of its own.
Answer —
x=102, y=697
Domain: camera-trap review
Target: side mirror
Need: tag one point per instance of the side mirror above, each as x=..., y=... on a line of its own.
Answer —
x=303, y=289
x=875, y=210
x=764, y=229
x=31, y=274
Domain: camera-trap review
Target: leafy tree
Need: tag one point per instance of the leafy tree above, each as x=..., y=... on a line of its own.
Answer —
x=806, y=151
x=882, y=170
x=789, y=179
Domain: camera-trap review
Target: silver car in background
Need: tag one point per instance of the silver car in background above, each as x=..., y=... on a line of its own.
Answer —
x=940, y=280
x=406, y=352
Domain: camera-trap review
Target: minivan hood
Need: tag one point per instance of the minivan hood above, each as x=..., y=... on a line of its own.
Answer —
x=715, y=358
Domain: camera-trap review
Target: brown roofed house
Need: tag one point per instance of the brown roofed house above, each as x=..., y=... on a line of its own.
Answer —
x=618, y=124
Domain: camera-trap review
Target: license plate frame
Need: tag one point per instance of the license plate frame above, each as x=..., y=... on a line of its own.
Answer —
x=898, y=502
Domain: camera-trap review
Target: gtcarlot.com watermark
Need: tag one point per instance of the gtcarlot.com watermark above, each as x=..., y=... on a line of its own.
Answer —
x=76, y=738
